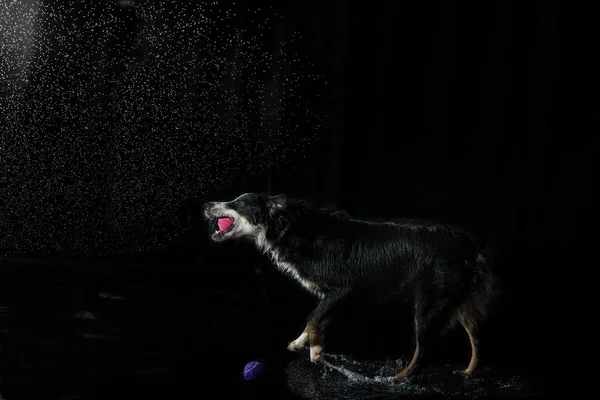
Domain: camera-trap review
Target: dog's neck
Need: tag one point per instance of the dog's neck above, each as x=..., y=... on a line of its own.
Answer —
x=283, y=232
x=266, y=244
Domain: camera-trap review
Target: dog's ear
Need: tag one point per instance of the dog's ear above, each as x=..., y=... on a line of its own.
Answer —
x=277, y=202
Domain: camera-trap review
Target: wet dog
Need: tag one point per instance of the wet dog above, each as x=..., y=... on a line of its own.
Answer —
x=441, y=269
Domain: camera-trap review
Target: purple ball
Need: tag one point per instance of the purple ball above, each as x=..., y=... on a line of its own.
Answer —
x=252, y=370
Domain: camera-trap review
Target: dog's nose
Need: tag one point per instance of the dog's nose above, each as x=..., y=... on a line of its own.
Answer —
x=209, y=205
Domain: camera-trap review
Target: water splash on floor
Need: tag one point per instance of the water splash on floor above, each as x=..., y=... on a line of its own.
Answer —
x=340, y=360
x=340, y=376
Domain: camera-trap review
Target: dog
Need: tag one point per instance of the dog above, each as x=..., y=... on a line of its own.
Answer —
x=443, y=270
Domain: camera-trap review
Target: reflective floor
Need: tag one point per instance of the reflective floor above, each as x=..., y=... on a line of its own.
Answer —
x=344, y=378
x=81, y=329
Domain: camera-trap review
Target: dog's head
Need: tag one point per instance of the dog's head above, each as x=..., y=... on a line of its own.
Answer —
x=245, y=216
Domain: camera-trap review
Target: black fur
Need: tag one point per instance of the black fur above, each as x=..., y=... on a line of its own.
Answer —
x=440, y=269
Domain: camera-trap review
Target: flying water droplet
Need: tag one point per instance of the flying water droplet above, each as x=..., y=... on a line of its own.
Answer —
x=113, y=115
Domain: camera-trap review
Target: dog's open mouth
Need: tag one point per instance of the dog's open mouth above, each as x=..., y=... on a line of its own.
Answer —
x=225, y=225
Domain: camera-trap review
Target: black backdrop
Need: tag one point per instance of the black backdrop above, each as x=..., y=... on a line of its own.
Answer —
x=463, y=112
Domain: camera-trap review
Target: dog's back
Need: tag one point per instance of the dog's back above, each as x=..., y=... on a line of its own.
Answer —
x=381, y=259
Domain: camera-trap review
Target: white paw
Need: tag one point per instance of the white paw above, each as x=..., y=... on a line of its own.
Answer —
x=299, y=343
x=315, y=353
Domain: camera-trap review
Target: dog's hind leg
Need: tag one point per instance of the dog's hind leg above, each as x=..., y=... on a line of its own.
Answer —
x=416, y=355
x=471, y=329
x=472, y=332
x=474, y=310
x=429, y=322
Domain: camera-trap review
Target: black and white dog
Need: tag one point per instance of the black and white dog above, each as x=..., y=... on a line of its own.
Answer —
x=441, y=269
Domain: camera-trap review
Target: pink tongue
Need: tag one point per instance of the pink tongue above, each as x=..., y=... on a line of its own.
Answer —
x=225, y=223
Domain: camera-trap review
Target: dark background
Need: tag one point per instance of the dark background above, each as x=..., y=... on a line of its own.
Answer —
x=470, y=113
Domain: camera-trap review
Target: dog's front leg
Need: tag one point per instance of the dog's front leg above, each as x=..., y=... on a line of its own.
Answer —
x=301, y=341
x=314, y=327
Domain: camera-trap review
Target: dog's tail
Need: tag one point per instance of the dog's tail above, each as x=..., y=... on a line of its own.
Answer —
x=488, y=260
x=483, y=291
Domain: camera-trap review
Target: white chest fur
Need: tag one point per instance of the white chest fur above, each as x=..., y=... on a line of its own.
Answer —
x=286, y=267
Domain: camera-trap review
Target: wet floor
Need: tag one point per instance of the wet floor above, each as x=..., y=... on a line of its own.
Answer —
x=341, y=377
x=77, y=329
